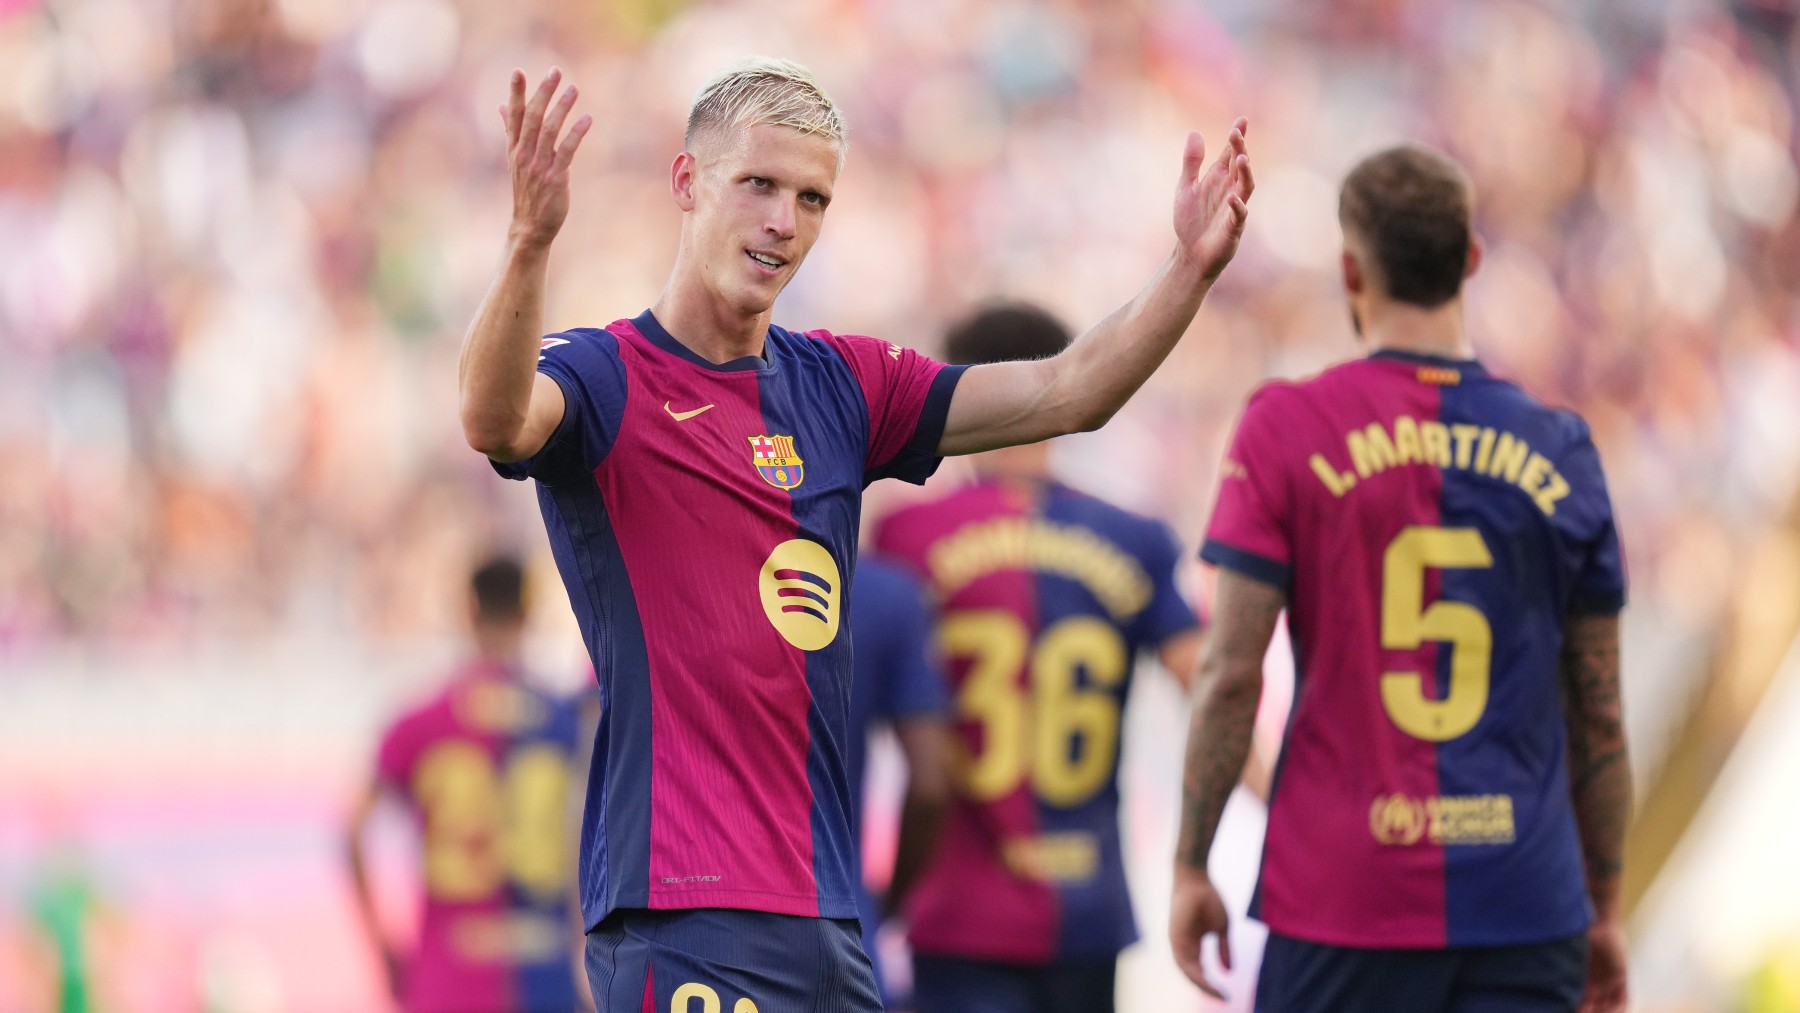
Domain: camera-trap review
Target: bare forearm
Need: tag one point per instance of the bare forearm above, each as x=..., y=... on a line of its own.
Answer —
x=1227, y=687
x=921, y=817
x=499, y=357
x=1599, y=767
x=1106, y=365
x=1218, y=745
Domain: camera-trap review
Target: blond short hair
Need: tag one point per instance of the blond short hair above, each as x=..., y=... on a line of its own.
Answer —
x=764, y=90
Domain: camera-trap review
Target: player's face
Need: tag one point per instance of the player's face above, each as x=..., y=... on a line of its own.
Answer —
x=758, y=202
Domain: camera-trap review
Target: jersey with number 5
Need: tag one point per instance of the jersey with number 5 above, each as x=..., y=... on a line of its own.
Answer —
x=1433, y=527
x=1045, y=597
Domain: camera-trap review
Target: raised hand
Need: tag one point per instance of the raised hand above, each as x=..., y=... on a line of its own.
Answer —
x=1212, y=203
x=540, y=165
x=1195, y=912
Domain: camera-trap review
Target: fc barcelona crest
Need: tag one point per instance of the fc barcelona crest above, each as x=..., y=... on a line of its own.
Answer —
x=777, y=461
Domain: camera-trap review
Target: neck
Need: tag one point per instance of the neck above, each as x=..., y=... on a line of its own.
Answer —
x=498, y=646
x=694, y=316
x=1389, y=326
x=1028, y=463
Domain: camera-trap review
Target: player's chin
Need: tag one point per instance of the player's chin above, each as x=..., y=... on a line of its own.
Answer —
x=758, y=295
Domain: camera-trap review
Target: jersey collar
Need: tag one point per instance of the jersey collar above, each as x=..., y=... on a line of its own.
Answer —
x=1471, y=366
x=651, y=328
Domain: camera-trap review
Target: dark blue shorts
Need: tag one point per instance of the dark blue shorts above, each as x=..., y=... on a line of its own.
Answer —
x=955, y=985
x=1303, y=977
x=713, y=960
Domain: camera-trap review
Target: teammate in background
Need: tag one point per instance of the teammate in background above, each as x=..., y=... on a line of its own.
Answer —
x=486, y=769
x=897, y=683
x=700, y=472
x=1046, y=597
x=1438, y=837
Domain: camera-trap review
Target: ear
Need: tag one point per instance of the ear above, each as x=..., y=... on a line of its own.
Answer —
x=1353, y=274
x=682, y=178
x=1474, y=259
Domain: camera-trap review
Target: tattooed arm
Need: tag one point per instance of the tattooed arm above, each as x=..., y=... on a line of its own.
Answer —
x=1227, y=685
x=1600, y=784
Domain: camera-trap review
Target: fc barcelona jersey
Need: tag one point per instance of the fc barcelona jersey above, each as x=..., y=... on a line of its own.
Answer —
x=486, y=768
x=1434, y=527
x=1045, y=596
x=704, y=519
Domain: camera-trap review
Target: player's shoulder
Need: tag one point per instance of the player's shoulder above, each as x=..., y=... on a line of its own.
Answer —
x=1279, y=397
x=1130, y=528
x=932, y=517
x=425, y=717
x=856, y=349
x=1509, y=401
x=581, y=348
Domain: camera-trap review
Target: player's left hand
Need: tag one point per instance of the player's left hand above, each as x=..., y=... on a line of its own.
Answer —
x=1195, y=912
x=1606, y=991
x=1212, y=202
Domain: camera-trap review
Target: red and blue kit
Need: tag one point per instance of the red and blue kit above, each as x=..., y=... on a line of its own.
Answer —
x=704, y=519
x=1046, y=596
x=1433, y=527
x=486, y=768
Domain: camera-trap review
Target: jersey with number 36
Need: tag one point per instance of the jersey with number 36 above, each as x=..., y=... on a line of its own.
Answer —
x=1433, y=527
x=1045, y=597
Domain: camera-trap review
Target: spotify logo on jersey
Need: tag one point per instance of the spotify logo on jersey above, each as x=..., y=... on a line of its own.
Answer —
x=801, y=590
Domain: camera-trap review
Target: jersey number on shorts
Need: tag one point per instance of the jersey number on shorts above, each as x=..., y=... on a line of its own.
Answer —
x=709, y=1000
x=1405, y=626
x=484, y=826
x=1061, y=735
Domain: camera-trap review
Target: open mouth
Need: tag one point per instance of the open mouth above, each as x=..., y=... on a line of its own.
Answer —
x=767, y=262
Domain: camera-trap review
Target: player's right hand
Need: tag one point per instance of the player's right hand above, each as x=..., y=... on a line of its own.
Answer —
x=539, y=163
x=1606, y=992
x=1195, y=912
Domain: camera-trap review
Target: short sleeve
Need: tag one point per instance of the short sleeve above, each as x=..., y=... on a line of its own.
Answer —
x=912, y=683
x=1250, y=527
x=1599, y=586
x=585, y=363
x=1169, y=613
x=394, y=758
x=908, y=399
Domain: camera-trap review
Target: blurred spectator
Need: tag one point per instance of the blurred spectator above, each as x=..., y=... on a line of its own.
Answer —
x=242, y=240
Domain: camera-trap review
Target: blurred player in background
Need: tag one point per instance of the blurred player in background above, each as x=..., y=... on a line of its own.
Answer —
x=1046, y=598
x=700, y=473
x=486, y=768
x=1438, y=838
x=897, y=684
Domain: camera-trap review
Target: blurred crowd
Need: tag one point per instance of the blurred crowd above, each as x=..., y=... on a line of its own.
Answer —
x=240, y=240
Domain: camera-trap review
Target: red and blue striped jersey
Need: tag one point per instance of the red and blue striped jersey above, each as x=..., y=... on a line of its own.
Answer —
x=486, y=769
x=1045, y=598
x=1433, y=527
x=704, y=519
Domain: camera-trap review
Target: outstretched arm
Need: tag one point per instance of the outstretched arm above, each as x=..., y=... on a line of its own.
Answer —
x=1008, y=403
x=1600, y=784
x=1227, y=687
x=509, y=411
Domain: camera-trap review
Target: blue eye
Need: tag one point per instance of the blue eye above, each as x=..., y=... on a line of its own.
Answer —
x=760, y=182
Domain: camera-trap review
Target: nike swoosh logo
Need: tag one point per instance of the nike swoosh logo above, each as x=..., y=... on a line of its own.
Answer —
x=684, y=416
